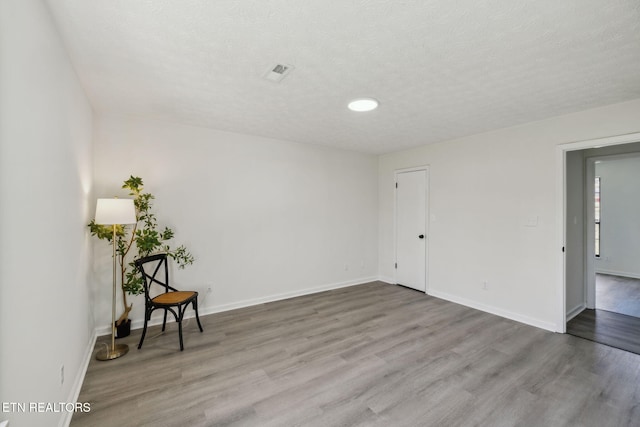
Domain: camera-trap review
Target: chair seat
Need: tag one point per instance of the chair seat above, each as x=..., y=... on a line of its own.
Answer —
x=171, y=298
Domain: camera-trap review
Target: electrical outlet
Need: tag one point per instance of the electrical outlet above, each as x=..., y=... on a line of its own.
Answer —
x=62, y=375
x=485, y=285
x=209, y=290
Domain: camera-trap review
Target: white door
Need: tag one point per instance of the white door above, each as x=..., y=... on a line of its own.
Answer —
x=411, y=238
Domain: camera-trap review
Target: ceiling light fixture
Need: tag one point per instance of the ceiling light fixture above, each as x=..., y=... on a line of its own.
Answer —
x=363, y=104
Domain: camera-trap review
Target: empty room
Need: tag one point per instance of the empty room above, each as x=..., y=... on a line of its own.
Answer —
x=279, y=213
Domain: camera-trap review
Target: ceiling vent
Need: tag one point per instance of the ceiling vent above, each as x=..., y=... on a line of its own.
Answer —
x=278, y=72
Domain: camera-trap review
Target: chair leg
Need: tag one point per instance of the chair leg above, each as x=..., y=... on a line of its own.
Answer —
x=195, y=308
x=164, y=322
x=147, y=315
x=181, y=311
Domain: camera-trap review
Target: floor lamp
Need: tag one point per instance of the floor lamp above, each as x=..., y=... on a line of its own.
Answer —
x=114, y=212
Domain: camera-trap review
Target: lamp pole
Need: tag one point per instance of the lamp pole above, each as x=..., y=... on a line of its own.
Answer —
x=114, y=211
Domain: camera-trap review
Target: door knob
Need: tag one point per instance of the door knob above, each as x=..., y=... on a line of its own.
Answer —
x=421, y=236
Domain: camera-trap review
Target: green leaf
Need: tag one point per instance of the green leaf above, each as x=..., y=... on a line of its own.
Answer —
x=167, y=234
x=145, y=240
x=134, y=184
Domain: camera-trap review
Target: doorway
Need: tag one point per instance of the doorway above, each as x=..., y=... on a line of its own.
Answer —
x=411, y=227
x=588, y=246
x=613, y=236
x=575, y=234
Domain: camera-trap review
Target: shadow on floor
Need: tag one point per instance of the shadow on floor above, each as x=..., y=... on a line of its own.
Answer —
x=616, y=320
x=605, y=327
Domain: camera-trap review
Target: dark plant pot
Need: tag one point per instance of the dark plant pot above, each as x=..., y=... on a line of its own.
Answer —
x=124, y=329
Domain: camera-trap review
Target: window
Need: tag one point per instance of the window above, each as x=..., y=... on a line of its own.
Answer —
x=597, y=215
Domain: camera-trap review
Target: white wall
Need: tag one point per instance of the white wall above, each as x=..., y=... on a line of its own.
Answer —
x=45, y=181
x=620, y=226
x=484, y=189
x=264, y=218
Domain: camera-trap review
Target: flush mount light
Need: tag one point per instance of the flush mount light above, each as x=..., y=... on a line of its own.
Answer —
x=363, y=104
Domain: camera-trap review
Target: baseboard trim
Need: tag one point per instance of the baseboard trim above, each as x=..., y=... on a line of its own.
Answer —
x=203, y=311
x=285, y=295
x=65, y=420
x=619, y=273
x=387, y=279
x=495, y=310
x=575, y=311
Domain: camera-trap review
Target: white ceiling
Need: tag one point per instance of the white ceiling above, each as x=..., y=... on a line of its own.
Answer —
x=441, y=69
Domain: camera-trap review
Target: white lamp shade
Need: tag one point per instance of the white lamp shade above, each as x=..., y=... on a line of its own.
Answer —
x=115, y=211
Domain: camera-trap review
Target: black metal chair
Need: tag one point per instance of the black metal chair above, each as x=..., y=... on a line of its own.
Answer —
x=155, y=270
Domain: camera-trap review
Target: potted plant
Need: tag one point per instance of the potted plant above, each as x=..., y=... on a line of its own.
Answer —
x=143, y=238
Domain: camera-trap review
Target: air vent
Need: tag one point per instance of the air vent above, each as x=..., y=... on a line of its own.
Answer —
x=280, y=69
x=278, y=72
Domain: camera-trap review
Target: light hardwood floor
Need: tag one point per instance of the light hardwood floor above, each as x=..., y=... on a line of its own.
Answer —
x=373, y=354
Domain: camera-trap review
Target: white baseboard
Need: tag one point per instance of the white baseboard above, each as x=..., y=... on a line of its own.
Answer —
x=139, y=323
x=77, y=382
x=549, y=326
x=203, y=311
x=575, y=311
x=387, y=279
x=619, y=273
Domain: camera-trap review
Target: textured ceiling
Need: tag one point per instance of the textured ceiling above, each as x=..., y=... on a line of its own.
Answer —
x=441, y=69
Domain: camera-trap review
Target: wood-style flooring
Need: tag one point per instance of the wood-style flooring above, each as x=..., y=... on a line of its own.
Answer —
x=369, y=355
x=606, y=327
x=618, y=294
x=616, y=319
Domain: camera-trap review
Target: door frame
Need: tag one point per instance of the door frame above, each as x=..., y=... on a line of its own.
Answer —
x=590, y=274
x=561, y=212
x=424, y=168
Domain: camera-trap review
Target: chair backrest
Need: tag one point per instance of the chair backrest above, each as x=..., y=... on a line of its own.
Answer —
x=154, y=270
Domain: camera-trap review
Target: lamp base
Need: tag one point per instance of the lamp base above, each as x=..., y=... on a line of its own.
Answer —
x=113, y=353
